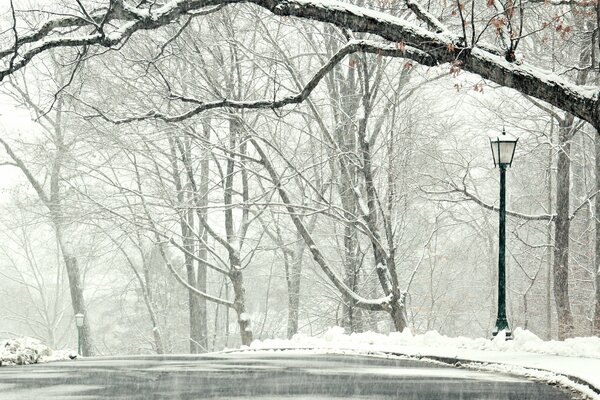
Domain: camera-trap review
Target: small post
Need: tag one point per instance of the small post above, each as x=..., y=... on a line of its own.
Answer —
x=79, y=323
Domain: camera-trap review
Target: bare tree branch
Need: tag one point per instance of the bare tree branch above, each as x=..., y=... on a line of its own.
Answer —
x=443, y=47
x=353, y=46
x=425, y=16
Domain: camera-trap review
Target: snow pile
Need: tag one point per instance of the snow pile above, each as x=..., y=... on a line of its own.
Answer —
x=523, y=341
x=23, y=351
x=573, y=363
x=588, y=391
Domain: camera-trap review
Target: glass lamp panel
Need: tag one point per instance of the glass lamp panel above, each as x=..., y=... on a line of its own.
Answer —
x=494, y=144
x=506, y=150
x=79, y=320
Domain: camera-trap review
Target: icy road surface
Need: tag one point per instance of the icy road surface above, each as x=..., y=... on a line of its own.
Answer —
x=261, y=375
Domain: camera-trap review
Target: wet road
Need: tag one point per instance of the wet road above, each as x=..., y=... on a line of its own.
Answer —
x=275, y=375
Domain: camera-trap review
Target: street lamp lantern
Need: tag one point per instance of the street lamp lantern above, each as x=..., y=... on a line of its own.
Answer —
x=79, y=320
x=503, y=150
x=79, y=317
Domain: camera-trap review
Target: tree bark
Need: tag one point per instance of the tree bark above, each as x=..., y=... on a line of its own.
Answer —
x=197, y=338
x=187, y=223
x=596, y=269
x=549, y=237
x=294, y=281
x=235, y=265
x=77, y=299
x=596, y=322
x=561, y=235
x=145, y=283
x=346, y=95
x=156, y=332
x=443, y=46
x=239, y=304
x=201, y=273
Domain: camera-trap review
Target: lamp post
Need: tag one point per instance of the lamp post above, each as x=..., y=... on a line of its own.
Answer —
x=503, y=150
x=79, y=322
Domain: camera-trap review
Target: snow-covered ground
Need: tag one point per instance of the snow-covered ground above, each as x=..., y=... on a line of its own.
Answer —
x=26, y=350
x=573, y=363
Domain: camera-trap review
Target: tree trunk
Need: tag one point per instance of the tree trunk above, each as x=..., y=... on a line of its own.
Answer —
x=352, y=318
x=549, y=237
x=201, y=272
x=158, y=341
x=239, y=304
x=596, y=321
x=156, y=333
x=294, y=288
x=77, y=299
x=235, y=265
x=197, y=340
x=563, y=223
x=398, y=314
x=146, y=287
x=561, y=236
x=597, y=200
x=293, y=304
x=346, y=96
x=185, y=195
x=55, y=207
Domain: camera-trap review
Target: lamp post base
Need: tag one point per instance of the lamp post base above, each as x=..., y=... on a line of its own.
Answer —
x=507, y=332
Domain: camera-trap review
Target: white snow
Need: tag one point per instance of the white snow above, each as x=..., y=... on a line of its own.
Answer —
x=583, y=92
x=360, y=113
x=25, y=350
x=380, y=17
x=572, y=363
x=364, y=208
x=244, y=317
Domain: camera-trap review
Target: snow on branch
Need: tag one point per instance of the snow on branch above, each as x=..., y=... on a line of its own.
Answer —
x=353, y=46
x=182, y=281
x=55, y=33
x=425, y=16
x=440, y=47
x=504, y=30
x=578, y=3
x=380, y=304
x=528, y=217
x=445, y=48
x=478, y=201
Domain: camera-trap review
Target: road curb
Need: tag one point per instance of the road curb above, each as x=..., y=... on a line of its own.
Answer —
x=449, y=361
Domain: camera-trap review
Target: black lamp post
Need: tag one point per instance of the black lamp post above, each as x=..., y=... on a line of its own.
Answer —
x=79, y=322
x=503, y=150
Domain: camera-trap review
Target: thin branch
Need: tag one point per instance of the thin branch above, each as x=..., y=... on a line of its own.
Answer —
x=425, y=16
x=365, y=46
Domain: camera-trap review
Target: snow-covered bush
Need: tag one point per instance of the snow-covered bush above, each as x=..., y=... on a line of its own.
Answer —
x=23, y=351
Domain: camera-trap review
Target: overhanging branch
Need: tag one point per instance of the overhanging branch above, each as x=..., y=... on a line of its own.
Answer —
x=443, y=47
x=354, y=46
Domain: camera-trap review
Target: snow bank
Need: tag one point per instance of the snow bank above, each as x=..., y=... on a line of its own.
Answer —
x=573, y=363
x=523, y=341
x=23, y=351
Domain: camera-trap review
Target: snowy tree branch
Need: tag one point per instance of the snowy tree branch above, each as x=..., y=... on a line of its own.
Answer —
x=442, y=47
x=541, y=217
x=425, y=16
x=368, y=304
x=365, y=46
